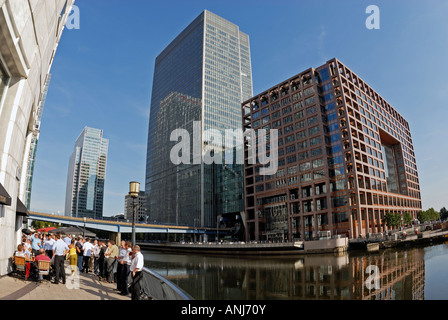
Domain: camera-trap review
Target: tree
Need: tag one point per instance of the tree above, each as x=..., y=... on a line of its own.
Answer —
x=428, y=215
x=433, y=214
x=443, y=213
x=407, y=218
x=392, y=220
x=37, y=224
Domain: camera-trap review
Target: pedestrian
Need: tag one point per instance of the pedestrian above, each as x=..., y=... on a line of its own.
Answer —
x=68, y=240
x=112, y=261
x=59, y=250
x=121, y=254
x=126, y=265
x=48, y=246
x=79, y=252
x=96, y=256
x=36, y=244
x=87, y=252
x=73, y=258
x=106, y=260
x=136, y=268
x=101, y=259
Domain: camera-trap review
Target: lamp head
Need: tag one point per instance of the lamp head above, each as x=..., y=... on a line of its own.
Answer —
x=134, y=189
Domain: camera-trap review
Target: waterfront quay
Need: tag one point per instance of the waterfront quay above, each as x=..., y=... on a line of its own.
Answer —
x=407, y=237
x=86, y=287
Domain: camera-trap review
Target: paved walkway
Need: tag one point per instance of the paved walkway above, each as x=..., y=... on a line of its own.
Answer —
x=84, y=287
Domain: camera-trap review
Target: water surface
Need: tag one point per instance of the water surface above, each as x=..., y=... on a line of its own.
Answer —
x=397, y=274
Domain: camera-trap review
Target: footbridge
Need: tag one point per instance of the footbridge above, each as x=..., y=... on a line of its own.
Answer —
x=116, y=227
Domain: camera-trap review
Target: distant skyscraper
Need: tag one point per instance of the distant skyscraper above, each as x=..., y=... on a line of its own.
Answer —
x=202, y=76
x=33, y=146
x=86, y=175
x=139, y=202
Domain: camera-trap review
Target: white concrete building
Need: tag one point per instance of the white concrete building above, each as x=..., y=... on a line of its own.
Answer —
x=30, y=31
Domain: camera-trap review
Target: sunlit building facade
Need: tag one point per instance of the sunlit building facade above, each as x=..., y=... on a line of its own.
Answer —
x=30, y=32
x=200, y=80
x=86, y=175
x=345, y=159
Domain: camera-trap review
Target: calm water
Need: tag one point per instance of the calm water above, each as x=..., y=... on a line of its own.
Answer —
x=418, y=273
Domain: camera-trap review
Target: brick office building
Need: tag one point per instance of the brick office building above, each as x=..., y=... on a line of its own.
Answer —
x=345, y=159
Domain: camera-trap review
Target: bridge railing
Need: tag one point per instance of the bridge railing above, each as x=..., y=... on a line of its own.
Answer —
x=156, y=287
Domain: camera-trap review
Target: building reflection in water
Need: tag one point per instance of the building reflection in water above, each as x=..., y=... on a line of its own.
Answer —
x=397, y=275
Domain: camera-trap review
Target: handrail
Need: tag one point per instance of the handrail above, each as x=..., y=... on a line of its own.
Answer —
x=157, y=287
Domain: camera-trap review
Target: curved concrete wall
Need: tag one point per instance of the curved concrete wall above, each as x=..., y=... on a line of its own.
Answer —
x=30, y=31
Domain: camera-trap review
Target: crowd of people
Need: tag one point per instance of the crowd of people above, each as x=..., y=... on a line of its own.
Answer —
x=104, y=259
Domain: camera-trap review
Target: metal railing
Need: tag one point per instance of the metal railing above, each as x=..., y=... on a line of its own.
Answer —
x=156, y=287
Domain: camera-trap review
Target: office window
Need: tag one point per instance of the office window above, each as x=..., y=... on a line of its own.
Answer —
x=324, y=75
x=314, y=130
x=291, y=159
x=305, y=166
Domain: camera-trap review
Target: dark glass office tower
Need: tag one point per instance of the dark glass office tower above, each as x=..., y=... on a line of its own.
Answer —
x=200, y=81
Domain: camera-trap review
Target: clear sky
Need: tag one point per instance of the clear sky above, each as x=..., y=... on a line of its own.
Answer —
x=102, y=76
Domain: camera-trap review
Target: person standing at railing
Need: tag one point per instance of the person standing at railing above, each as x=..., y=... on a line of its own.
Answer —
x=125, y=268
x=121, y=254
x=112, y=260
x=136, y=269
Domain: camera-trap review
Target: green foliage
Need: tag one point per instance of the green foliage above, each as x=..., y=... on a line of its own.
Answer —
x=407, y=218
x=36, y=224
x=392, y=220
x=428, y=215
x=443, y=213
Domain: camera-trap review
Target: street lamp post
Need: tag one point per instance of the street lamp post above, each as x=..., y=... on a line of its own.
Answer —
x=134, y=190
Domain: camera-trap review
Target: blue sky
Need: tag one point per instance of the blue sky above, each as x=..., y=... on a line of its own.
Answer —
x=102, y=76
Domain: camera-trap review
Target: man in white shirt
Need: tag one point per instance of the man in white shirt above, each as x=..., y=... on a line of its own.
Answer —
x=96, y=256
x=59, y=250
x=68, y=240
x=87, y=252
x=136, y=268
x=125, y=268
x=48, y=246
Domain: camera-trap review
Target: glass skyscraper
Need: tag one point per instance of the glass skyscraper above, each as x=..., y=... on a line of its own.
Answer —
x=33, y=146
x=200, y=81
x=86, y=175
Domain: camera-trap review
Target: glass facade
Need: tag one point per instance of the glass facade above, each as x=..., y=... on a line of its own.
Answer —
x=86, y=175
x=33, y=147
x=200, y=80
